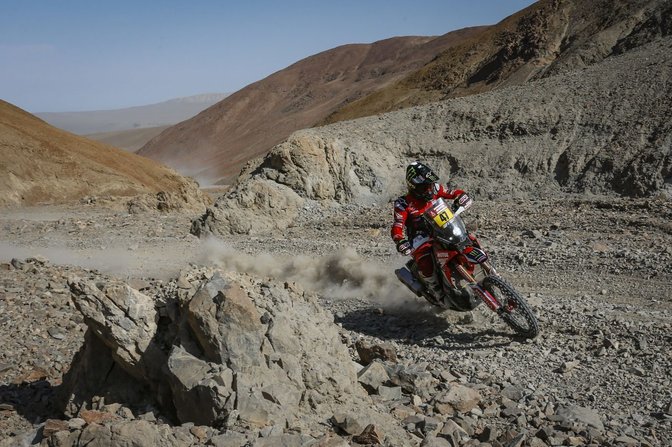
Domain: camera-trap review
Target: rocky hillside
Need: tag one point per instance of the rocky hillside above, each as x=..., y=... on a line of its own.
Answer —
x=42, y=164
x=545, y=39
x=548, y=38
x=604, y=130
x=250, y=122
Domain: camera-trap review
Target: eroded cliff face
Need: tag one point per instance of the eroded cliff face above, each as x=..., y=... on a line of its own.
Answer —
x=603, y=130
x=548, y=38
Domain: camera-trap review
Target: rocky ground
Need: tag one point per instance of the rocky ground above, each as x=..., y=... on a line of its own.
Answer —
x=598, y=272
x=93, y=297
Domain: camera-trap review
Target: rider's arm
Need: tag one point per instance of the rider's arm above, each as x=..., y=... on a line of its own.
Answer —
x=461, y=198
x=400, y=215
x=449, y=193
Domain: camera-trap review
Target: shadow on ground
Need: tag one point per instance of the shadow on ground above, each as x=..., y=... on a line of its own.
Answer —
x=423, y=327
x=32, y=401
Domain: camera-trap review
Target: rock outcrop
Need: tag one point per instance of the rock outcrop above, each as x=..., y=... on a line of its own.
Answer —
x=219, y=350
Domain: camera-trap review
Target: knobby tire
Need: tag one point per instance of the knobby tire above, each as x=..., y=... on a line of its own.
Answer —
x=521, y=318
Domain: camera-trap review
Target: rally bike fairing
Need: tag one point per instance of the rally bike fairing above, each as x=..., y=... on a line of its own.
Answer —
x=453, y=240
x=457, y=254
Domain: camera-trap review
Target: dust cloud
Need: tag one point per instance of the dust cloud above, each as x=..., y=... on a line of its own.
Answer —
x=157, y=262
x=341, y=275
x=60, y=255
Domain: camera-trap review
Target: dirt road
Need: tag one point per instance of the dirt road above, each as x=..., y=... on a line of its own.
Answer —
x=597, y=271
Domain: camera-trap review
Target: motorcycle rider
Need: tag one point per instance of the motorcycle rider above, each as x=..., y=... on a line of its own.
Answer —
x=423, y=187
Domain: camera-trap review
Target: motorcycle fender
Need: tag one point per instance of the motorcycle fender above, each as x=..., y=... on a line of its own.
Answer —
x=475, y=255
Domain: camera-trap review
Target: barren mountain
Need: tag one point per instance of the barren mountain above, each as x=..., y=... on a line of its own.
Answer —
x=153, y=115
x=42, y=164
x=602, y=130
x=547, y=38
x=220, y=140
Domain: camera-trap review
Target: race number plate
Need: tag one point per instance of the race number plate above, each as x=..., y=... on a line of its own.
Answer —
x=441, y=214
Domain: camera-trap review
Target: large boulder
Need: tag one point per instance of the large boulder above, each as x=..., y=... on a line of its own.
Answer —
x=219, y=349
x=122, y=318
x=261, y=206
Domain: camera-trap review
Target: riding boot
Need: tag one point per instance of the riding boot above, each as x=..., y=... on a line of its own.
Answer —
x=433, y=286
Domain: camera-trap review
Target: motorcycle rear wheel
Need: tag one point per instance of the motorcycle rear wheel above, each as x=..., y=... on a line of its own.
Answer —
x=514, y=311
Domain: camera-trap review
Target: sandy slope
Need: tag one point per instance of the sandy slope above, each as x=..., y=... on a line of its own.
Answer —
x=42, y=164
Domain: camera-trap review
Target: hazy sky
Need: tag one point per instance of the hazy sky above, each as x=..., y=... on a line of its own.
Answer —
x=71, y=55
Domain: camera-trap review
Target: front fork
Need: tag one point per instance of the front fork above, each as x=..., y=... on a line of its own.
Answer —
x=487, y=298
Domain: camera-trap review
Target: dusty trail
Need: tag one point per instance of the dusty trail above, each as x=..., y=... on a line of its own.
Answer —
x=605, y=315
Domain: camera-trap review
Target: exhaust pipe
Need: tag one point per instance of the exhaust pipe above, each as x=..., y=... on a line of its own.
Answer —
x=406, y=277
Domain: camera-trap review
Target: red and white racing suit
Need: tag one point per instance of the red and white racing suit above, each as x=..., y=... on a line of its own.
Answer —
x=408, y=212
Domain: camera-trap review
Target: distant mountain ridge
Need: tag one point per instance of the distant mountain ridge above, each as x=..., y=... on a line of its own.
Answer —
x=549, y=37
x=165, y=113
x=128, y=140
x=248, y=123
x=197, y=99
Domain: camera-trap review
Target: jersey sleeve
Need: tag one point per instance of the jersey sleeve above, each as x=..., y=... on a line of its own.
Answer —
x=400, y=215
x=449, y=193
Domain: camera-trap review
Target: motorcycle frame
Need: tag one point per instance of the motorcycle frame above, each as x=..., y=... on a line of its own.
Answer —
x=456, y=261
x=487, y=298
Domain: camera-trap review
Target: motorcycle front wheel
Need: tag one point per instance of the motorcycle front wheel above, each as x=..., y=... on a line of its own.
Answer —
x=514, y=309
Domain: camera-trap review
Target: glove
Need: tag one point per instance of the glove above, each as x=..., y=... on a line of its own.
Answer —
x=404, y=247
x=464, y=201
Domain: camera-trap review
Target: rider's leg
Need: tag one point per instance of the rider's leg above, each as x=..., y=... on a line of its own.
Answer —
x=425, y=262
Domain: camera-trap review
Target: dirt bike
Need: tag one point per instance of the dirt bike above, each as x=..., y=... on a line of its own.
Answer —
x=459, y=260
